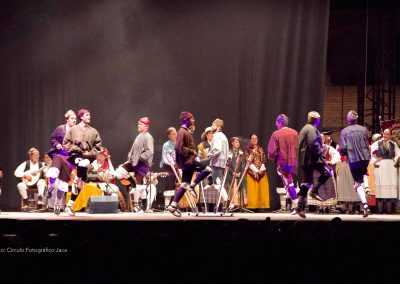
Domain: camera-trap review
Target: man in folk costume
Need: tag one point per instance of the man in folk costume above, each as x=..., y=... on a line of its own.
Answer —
x=24, y=171
x=168, y=152
x=218, y=155
x=354, y=145
x=82, y=142
x=57, y=137
x=185, y=155
x=310, y=157
x=140, y=159
x=282, y=149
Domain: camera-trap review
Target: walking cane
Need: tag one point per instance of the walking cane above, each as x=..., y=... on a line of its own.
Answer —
x=228, y=164
x=249, y=160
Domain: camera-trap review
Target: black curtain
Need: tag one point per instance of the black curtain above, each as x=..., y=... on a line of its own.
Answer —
x=242, y=61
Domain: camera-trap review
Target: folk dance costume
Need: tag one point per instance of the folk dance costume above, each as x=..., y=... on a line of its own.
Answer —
x=310, y=158
x=185, y=155
x=354, y=145
x=169, y=189
x=327, y=191
x=57, y=137
x=218, y=155
x=236, y=168
x=257, y=181
x=59, y=176
x=103, y=173
x=385, y=154
x=140, y=159
x=30, y=166
x=61, y=166
x=282, y=149
x=82, y=143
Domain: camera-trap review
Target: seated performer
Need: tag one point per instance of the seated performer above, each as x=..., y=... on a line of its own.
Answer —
x=102, y=172
x=82, y=143
x=185, y=155
x=31, y=174
x=328, y=190
x=140, y=159
x=205, y=144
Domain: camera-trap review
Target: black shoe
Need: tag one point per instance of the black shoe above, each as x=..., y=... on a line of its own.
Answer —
x=300, y=212
x=365, y=212
x=314, y=195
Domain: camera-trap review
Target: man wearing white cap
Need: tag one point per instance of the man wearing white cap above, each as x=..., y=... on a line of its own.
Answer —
x=310, y=158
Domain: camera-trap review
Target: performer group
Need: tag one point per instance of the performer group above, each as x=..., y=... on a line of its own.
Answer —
x=217, y=174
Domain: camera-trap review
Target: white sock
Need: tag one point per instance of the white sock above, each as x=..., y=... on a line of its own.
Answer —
x=361, y=194
x=365, y=179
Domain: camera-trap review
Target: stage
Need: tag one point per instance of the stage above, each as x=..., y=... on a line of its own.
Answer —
x=243, y=248
x=188, y=217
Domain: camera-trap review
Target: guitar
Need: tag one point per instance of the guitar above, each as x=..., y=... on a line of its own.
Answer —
x=33, y=176
x=126, y=182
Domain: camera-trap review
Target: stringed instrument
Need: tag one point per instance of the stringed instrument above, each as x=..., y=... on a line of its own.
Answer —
x=126, y=182
x=34, y=176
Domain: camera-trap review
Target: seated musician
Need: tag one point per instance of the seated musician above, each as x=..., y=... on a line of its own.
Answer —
x=31, y=174
x=102, y=172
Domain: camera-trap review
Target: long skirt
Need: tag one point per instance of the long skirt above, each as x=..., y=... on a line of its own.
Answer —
x=345, y=184
x=257, y=193
x=327, y=191
x=385, y=179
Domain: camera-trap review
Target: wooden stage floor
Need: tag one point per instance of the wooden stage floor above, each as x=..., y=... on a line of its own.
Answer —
x=161, y=216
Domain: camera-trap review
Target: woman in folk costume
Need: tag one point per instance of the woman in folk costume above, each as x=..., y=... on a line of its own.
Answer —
x=103, y=173
x=235, y=172
x=385, y=154
x=257, y=181
x=328, y=190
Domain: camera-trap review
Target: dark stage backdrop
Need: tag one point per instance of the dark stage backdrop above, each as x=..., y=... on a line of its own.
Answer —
x=242, y=61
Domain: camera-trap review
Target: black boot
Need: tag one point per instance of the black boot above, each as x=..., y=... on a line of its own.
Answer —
x=301, y=204
x=25, y=203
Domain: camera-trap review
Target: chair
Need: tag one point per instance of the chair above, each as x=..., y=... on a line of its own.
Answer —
x=32, y=199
